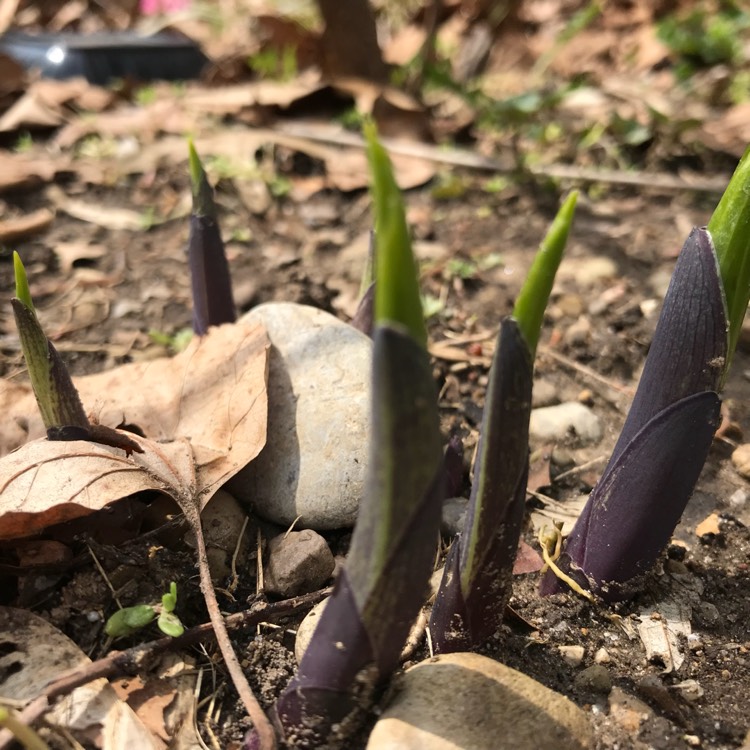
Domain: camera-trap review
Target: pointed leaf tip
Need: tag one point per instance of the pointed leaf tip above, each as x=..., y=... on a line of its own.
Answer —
x=22, y=282
x=397, y=285
x=533, y=297
x=730, y=232
x=203, y=201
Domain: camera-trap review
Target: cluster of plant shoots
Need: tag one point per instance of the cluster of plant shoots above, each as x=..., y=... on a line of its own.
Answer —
x=627, y=521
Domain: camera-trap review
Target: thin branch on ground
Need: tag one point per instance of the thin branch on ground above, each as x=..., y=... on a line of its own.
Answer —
x=137, y=658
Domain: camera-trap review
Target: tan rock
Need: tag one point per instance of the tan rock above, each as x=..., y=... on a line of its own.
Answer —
x=469, y=702
x=741, y=460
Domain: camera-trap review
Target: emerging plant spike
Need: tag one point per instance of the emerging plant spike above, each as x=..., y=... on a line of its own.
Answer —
x=209, y=271
x=476, y=584
x=58, y=400
x=378, y=594
x=633, y=510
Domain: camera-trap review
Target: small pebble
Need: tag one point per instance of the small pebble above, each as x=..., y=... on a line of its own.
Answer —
x=298, y=562
x=454, y=516
x=595, y=678
x=573, y=655
x=741, y=460
x=565, y=420
x=602, y=656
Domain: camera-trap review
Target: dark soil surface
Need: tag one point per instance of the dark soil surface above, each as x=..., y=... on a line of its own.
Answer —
x=291, y=258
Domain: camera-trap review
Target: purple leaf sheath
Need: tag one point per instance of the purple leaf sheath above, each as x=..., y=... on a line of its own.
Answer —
x=633, y=510
x=477, y=580
x=209, y=270
x=359, y=637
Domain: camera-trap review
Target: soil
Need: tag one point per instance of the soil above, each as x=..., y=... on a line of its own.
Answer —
x=638, y=230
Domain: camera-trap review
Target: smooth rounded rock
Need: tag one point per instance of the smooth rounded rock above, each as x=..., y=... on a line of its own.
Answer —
x=741, y=460
x=307, y=628
x=469, y=702
x=298, y=562
x=222, y=519
x=561, y=421
x=312, y=467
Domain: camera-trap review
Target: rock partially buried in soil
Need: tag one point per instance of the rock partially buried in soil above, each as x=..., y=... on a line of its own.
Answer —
x=312, y=467
x=469, y=702
x=298, y=562
x=222, y=520
x=563, y=420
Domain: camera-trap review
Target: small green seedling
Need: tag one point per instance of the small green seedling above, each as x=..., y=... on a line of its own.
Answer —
x=22, y=733
x=130, y=620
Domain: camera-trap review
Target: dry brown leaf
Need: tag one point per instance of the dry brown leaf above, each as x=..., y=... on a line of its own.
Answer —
x=731, y=131
x=69, y=252
x=663, y=629
x=39, y=653
x=45, y=482
x=231, y=99
x=24, y=171
x=20, y=227
x=204, y=412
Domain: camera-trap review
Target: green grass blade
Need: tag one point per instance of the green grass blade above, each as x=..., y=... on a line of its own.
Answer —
x=532, y=300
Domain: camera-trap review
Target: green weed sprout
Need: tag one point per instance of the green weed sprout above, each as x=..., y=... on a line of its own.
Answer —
x=130, y=620
x=23, y=733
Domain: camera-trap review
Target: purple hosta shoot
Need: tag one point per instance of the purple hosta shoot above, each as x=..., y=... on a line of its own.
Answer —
x=379, y=593
x=209, y=271
x=633, y=510
x=477, y=580
x=57, y=398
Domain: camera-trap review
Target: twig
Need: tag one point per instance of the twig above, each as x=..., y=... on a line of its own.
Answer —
x=261, y=722
x=471, y=160
x=133, y=659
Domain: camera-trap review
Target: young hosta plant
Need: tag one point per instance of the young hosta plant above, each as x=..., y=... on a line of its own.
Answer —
x=476, y=583
x=209, y=270
x=652, y=472
x=56, y=396
x=362, y=630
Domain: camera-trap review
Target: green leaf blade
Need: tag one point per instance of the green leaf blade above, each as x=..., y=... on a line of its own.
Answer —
x=22, y=282
x=397, y=286
x=532, y=300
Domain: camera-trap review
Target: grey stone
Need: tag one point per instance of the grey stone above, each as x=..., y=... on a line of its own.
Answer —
x=469, y=702
x=565, y=420
x=454, y=516
x=298, y=562
x=595, y=678
x=544, y=393
x=312, y=467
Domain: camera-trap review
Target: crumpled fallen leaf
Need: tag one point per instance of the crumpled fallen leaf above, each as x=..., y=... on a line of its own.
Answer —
x=663, y=629
x=204, y=412
x=19, y=227
x=35, y=653
x=165, y=701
